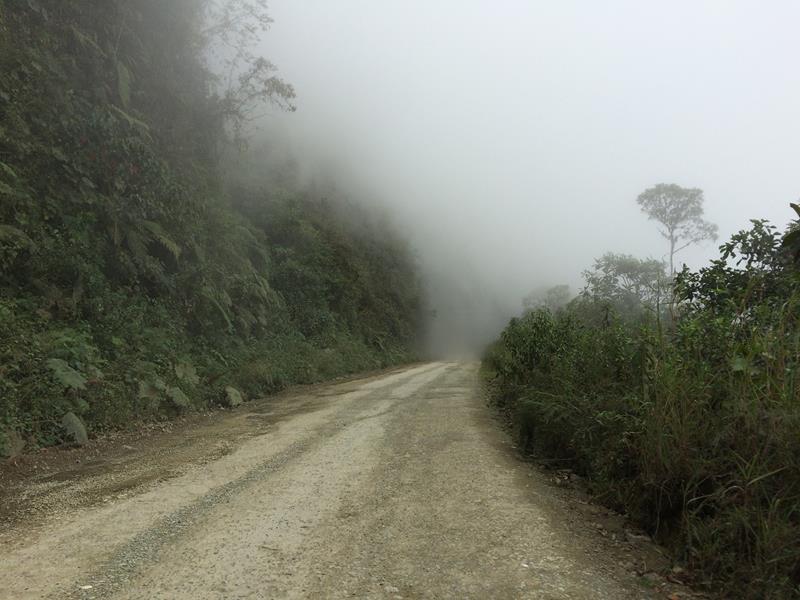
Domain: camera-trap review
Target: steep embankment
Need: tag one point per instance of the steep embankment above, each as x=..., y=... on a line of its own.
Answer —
x=131, y=286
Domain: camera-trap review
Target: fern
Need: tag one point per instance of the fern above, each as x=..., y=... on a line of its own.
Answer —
x=178, y=398
x=137, y=245
x=124, y=80
x=86, y=41
x=8, y=170
x=130, y=120
x=158, y=234
x=12, y=235
x=221, y=301
x=66, y=375
x=151, y=389
x=186, y=372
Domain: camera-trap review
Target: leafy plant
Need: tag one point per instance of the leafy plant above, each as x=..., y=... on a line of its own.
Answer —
x=65, y=375
x=791, y=240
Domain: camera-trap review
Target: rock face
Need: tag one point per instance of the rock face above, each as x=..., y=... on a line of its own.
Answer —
x=75, y=428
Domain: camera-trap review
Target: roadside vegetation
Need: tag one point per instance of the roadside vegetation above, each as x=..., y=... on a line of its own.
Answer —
x=678, y=400
x=135, y=281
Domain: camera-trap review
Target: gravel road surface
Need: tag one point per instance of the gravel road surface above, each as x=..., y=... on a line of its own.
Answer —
x=398, y=485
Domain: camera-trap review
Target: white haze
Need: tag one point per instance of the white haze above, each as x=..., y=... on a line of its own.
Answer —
x=510, y=139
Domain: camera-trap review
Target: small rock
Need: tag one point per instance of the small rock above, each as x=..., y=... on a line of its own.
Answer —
x=637, y=537
x=75, y=428
x=390, y=589
x=233, y=397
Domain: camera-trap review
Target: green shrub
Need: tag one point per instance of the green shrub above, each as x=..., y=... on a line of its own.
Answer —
x=690, y=425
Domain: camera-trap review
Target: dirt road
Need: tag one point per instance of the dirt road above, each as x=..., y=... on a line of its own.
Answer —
x=395, y=486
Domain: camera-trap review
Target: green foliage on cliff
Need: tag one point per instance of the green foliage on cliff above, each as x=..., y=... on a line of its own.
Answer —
x=131, y=284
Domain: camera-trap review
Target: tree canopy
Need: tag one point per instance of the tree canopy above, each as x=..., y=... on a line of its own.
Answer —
x=629, y=282
x=680, y=213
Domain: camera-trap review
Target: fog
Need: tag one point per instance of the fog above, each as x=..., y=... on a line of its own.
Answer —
x=510, y=140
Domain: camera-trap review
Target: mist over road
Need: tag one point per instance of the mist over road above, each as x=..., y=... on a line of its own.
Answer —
x=399, y=485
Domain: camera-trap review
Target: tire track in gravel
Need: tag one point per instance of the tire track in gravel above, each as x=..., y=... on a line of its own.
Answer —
x=146, y=548
x=58, y=559
x=399, y=486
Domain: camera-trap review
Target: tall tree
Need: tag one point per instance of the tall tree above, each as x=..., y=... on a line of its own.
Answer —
x=246, y=81
x=680, y=212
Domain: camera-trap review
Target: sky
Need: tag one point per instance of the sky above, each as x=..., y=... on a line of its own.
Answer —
x=510, y=139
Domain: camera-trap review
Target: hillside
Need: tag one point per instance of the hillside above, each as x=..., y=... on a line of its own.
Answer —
x=133, y=283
